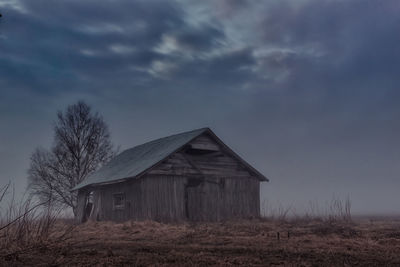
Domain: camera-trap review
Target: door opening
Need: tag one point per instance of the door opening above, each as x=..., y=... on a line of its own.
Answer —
x=192, y=199
x=88, y=206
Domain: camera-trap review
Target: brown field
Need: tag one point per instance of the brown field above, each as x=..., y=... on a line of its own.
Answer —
x=250, y=243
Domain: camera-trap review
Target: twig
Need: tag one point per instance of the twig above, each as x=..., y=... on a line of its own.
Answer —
x=21, y=216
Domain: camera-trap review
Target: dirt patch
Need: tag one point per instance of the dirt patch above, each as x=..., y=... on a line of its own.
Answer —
x=250, y=243
x=343, y=231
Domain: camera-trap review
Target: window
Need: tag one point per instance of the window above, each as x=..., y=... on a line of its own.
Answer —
x=119, y=201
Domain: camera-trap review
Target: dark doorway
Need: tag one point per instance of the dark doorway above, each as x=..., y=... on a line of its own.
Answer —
x=201, y=199
x=88, y=206
x=193, y=191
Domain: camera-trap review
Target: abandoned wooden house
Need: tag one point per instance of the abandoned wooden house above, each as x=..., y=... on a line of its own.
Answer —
x=192, y=176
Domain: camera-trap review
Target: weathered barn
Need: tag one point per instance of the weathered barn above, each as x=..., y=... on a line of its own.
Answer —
x=190, y=176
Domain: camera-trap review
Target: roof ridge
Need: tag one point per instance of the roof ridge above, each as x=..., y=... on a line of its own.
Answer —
x=166, y=137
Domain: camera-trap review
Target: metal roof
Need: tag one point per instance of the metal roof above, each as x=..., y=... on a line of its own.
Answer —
x=138, y=159
x=135, y=161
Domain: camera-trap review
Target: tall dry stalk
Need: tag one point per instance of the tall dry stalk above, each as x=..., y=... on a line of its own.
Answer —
x=25, y=225
x=337, y=210
x=340, y=210
x=279, y=212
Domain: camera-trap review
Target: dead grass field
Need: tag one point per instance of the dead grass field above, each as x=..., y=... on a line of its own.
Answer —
x=249, y=243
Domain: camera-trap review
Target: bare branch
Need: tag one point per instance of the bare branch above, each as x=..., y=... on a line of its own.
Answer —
x=4, y=190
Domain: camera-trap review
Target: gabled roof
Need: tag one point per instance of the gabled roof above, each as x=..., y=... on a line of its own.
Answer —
x=135, y=161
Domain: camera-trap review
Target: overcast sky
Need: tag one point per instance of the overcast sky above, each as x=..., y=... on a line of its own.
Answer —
x=307, y=91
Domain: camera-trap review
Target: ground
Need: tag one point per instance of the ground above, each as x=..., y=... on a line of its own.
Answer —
x=249, y=243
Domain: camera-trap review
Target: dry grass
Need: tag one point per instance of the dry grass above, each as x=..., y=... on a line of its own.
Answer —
x=31, y=235
x=251, y=243
x=336, y=210
x=26, y=226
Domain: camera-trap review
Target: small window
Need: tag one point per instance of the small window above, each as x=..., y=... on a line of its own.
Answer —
x=119, y=201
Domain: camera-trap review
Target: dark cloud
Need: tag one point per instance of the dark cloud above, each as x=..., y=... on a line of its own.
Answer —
x=203, y=39
x=77, y=38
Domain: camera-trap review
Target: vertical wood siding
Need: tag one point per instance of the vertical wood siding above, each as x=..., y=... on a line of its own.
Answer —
x=231, y=198
x=162, y=198
x=157, y=198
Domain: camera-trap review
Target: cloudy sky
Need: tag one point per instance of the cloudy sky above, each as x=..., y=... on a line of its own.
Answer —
x=308, y=91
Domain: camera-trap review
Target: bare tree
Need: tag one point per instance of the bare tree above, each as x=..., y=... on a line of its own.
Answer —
x=81, y=145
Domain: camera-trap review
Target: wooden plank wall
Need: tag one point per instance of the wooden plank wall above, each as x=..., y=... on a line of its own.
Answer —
x=157, y=198
x=231, y=199
x=162, y=198
x=175, y=164
x=217, y=163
